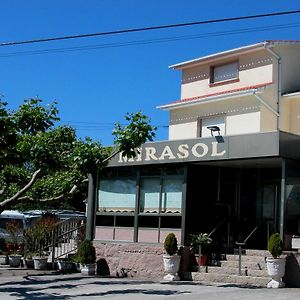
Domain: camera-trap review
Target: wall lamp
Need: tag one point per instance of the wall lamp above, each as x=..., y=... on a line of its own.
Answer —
x=214, y=129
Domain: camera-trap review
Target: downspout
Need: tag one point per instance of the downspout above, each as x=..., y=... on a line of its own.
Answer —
x=279, y=69
x=283, y=168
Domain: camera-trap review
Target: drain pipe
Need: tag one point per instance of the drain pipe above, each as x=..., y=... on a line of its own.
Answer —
x=279, y=70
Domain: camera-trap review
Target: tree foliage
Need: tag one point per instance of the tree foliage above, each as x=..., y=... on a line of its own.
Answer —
x=42, y=162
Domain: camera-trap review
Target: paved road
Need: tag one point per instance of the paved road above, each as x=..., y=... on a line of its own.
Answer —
x=77, y=287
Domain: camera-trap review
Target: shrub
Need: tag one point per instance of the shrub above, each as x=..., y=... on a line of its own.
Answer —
x=275, y=245
x=170, y=244
x=86, y=253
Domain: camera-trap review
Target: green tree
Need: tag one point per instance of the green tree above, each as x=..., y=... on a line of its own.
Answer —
x=42, y=162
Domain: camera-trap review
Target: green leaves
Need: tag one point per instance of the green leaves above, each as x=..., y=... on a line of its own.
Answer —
x=137, y=132
x=30, y=143
x=32, y=117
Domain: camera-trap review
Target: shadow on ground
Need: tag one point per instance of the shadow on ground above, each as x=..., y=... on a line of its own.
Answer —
x=33, y=288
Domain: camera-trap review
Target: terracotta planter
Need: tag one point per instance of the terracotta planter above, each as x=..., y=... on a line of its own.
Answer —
x=276, y=269
x=171, y=265
x=202, y=261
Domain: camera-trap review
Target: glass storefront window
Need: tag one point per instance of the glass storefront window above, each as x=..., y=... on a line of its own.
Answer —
x=159, y=197
x=150, y=195
x=172, y=195
x=117, y=194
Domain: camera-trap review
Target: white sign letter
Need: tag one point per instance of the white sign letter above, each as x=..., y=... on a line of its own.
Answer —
x=214, y=151
x=167, y=152
x=204, y=150
x=150, y=153
x=183, y=151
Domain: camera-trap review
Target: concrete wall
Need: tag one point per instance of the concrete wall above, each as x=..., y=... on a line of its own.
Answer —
x=254, y=68
x=290, y=56
x=295, y=115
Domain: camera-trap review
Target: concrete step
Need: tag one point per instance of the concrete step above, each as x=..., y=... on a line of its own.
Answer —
x=248, y=264
x=7, y=271
x=235, y=271
x=250, y=258
x=228, y=279
x=255, y=252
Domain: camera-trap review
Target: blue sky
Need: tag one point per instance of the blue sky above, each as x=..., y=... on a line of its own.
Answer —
x=95, y=88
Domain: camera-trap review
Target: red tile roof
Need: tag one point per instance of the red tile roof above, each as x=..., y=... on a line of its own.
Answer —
x=252, y=87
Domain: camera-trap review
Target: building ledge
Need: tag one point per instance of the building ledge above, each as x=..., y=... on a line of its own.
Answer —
x=218, y=96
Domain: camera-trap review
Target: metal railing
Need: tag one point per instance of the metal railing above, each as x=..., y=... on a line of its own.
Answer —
x=219, y=225
x=243, y=243
x=61, y=241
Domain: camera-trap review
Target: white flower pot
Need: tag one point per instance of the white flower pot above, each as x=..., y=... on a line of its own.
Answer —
x=88, y=269
x=276, y=269
x=296, y=243
x=171, y=264
x=40, y=263
x=3, y=259
x=14, y=260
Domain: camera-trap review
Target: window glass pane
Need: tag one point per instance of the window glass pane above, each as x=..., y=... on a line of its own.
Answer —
x=293, y=208
x=225, y=72
x=117, y=194
x=149, y=195
x=172, y=194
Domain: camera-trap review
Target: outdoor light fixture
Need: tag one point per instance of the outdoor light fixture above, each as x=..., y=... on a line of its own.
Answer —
x=213, y=129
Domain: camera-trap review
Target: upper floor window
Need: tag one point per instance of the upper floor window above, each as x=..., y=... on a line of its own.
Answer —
x=223, y=73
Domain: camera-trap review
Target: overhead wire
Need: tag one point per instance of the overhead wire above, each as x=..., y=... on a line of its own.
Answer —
x=152, y=41
x=122, y=31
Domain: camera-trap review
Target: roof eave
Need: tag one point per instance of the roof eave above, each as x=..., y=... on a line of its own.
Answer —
x=224, y=54
x=210, y=99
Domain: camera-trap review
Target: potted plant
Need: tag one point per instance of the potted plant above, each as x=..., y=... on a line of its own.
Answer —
x=3, y=253
x=13, y=247
x=171, y=259
x=86, y=256
x=199, y=247
x=275, y=264
x=41, y=235
x=65, y=265
x=29, y=248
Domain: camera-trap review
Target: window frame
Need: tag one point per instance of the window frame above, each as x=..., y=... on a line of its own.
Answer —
x=212, y=83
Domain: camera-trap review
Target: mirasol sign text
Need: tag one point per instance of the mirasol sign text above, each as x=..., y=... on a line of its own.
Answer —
x=179, y=152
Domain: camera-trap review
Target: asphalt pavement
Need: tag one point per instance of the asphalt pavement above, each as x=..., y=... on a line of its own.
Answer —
x=76, y=286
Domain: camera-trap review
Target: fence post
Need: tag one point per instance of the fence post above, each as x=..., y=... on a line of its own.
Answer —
x=53, y=247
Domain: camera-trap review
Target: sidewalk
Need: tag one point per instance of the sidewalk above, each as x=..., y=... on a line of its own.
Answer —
x=75, y=286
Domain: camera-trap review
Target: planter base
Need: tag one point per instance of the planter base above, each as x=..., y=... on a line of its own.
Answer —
x=171, y=277
x=276, y=269
x=89, y=269
x=274, y=284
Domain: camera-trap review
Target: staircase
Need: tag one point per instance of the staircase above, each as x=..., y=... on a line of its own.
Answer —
x=62, y=241
x=224, y=269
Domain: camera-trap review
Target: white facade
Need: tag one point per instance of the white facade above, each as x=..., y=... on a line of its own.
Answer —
x=240, y=91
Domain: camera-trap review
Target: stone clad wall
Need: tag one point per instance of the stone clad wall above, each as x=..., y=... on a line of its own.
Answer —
x=133, y=260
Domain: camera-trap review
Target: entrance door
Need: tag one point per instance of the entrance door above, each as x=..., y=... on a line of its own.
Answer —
x=270, y=192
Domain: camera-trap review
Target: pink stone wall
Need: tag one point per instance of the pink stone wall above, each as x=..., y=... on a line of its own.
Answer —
x=140, y=260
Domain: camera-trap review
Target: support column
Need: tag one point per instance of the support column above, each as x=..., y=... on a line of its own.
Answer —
x=183, y=206
x=282, y=200
x=91, y=207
